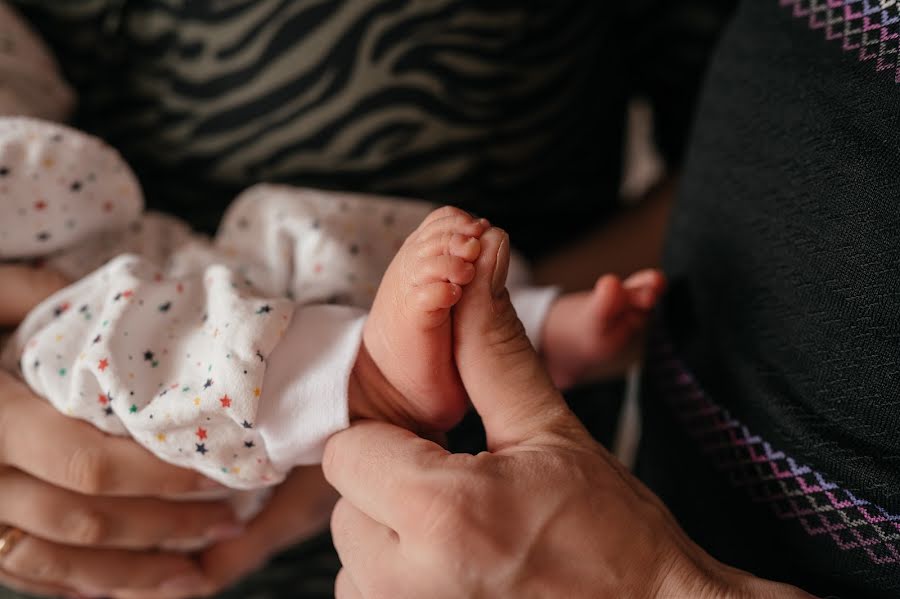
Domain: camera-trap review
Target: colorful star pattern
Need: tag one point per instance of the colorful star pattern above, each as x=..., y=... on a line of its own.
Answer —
x=185, y=358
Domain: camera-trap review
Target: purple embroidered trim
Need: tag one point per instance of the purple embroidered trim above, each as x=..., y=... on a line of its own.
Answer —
x=870, y=28
x=793, y=490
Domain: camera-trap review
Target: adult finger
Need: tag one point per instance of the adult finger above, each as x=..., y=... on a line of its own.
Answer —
x=299, y=508
x=24, y=287
x=65, y=517
x=378, y=467
x=506, y=381
x=37, y=439
x=32, y=588
x=345, y=588
x=368, y=549
x=99, y=572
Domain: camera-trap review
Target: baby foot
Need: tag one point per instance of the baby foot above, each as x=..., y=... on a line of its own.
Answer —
x=408, y=334
x=596, y=334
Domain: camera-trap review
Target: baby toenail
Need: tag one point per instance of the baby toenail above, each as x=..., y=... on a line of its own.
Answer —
x=501, y=267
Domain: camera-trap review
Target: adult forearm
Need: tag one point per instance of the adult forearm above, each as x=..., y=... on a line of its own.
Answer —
x=632, y=241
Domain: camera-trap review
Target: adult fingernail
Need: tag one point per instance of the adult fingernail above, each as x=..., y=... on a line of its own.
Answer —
x=501, y=268
x=223, y=532
x=186, y=583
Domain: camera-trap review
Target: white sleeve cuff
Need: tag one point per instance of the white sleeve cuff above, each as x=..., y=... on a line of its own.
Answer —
x=304, y=396
x=532, y=305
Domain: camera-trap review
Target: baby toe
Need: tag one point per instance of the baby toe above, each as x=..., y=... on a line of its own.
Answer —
x=452, y=221
x=644, y=288
x=435, y=296
x=434, y=269
x=465, y=247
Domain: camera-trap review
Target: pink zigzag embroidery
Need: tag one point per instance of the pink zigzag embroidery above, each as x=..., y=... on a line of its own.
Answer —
x=793, y=491
x=870, y=28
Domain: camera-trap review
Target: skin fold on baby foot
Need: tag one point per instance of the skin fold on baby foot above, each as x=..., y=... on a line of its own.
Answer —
x=405, y=372
x=597, y=334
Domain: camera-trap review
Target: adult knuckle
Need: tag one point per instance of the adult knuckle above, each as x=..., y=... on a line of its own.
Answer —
x=87, y=470
x=330, y=462
x=342, y=588
x=444, y=510
x=339, y=517
x=86, y=527
x=26, y=562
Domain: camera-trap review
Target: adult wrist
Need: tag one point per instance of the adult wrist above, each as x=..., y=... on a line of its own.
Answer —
x=714, y=580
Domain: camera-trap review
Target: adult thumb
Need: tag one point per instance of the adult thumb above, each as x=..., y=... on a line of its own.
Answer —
x=501, y=371
x=24, y=287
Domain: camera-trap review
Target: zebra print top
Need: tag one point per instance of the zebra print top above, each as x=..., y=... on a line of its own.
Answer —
x=511, y=109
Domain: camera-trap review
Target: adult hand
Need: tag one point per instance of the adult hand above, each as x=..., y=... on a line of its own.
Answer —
x=546, y=512
x=91, y=505
x=299, y=509
x=25, y=287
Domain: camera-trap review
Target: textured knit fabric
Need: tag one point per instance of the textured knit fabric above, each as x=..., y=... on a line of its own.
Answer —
x=493, y=106
x=785, y=303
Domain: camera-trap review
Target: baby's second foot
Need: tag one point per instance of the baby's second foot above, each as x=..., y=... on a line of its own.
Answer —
x=408, y=334
x=596, y=334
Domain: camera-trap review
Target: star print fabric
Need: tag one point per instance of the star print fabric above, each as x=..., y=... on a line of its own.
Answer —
x=59, y=187
x=177, y=364
x=174, y=354
x=314, y=246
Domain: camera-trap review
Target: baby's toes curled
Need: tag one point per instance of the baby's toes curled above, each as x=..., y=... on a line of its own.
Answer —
x=465, y=247
x=434, y=269
x=453, y=221
x=435, y=297
x=449, y=243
